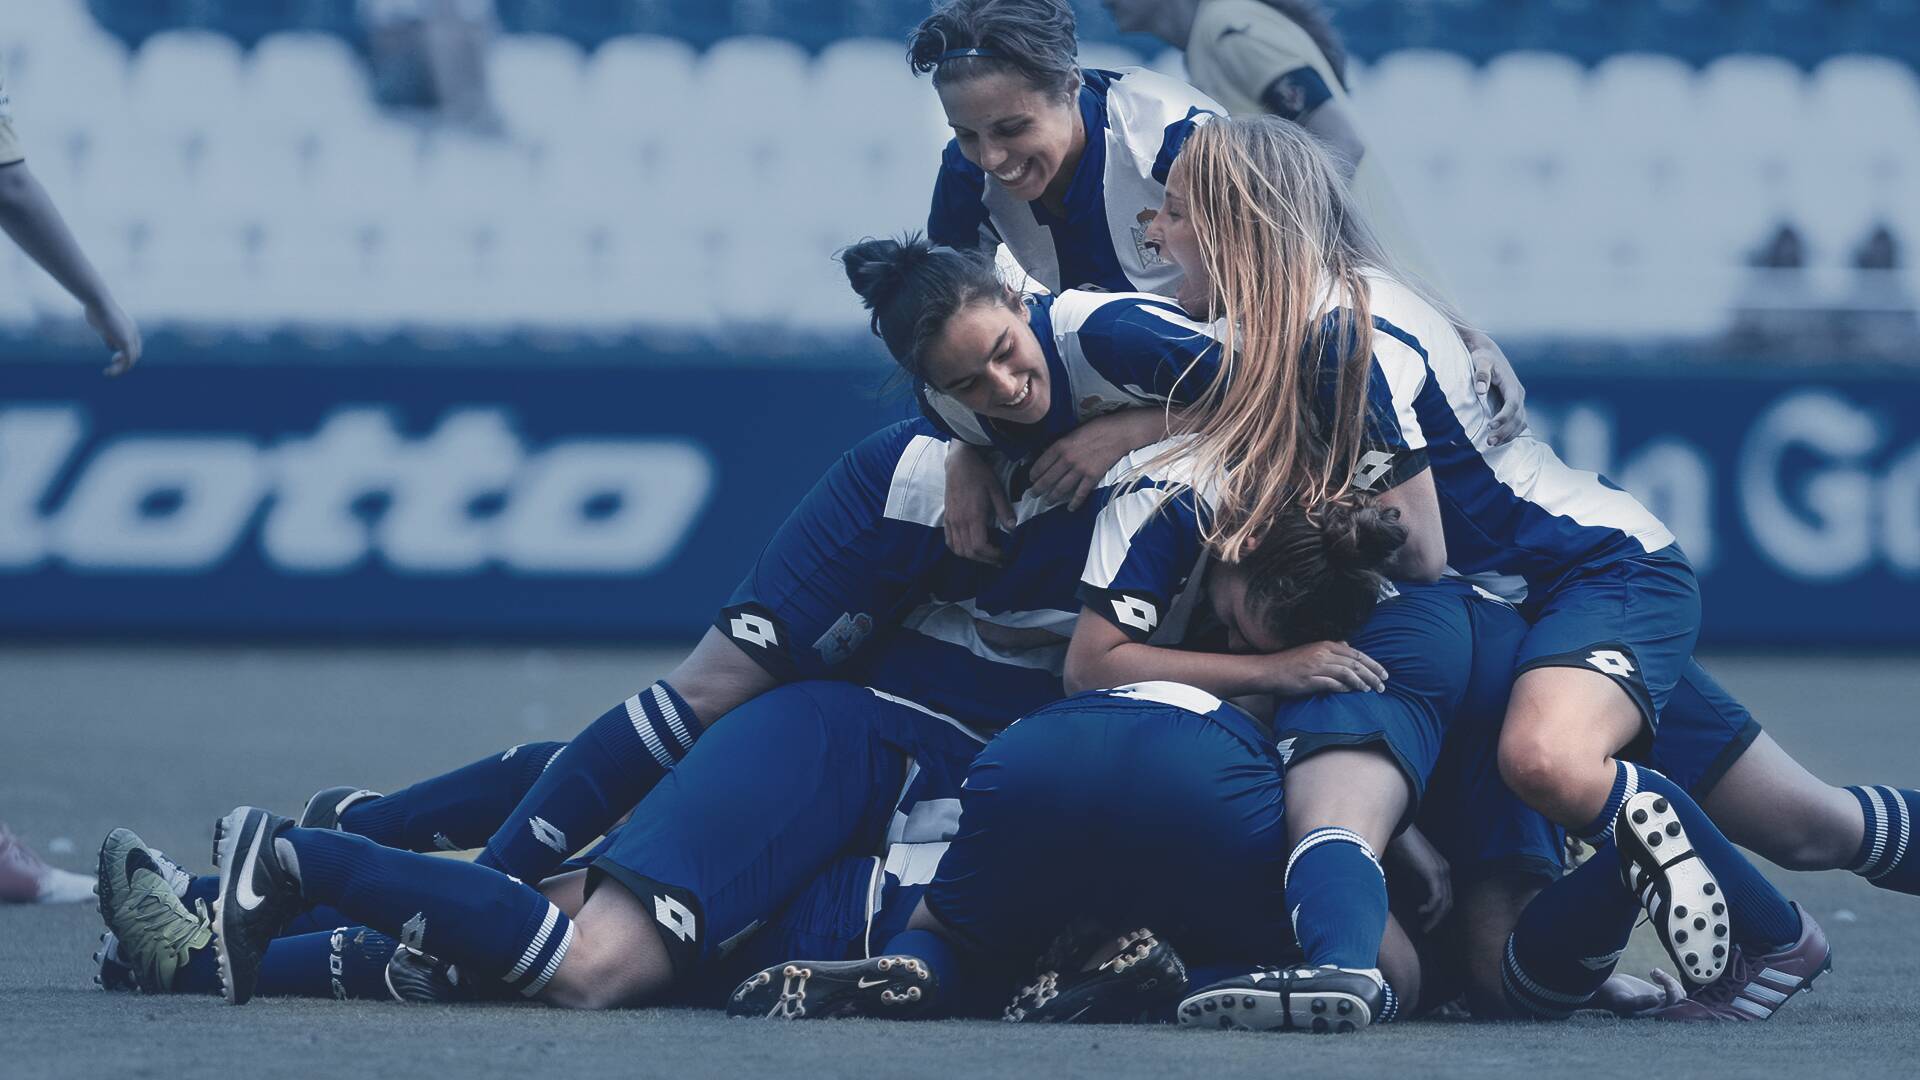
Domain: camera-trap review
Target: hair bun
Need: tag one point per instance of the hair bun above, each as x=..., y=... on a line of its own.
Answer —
x=1360, y=534
x=878, y=268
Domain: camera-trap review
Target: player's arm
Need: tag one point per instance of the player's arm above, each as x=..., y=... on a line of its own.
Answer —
x=1289, y=87
x=1393, y=464
x=1424, y=556
x=1103, y=654
x=27, y=214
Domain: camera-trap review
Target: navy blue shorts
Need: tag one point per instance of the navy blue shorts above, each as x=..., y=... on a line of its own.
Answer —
x=1426, y=638
x=791, y=781
x=1131, y=811
x=1634, y=621
x=1702, y=733
x=854, y=556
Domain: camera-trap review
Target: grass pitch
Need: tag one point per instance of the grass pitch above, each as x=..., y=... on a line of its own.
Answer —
x=166, y=739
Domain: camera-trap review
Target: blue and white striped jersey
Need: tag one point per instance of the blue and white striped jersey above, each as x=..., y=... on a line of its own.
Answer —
x=1136, y=122
x=1146, y=562
x=1517, y=518
x=1105, y=351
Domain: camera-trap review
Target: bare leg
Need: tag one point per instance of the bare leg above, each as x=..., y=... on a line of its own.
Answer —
x=1770, y=804
x=1562, y=729
x=617, y=957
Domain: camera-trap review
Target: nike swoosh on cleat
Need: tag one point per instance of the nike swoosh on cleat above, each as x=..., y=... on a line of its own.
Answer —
x=247, y=898
x=865, y=984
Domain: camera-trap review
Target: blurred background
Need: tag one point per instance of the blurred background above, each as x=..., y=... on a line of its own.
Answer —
x=470, y=319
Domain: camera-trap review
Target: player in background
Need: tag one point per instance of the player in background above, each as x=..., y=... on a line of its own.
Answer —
x=28, y=215
x=1612, y=602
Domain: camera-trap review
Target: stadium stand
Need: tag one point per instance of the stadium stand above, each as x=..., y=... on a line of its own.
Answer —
x=1582, y=171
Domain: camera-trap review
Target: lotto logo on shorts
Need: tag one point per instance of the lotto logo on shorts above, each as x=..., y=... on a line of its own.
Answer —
x=1611, y=662
x=1135, y=612
x=674, y=915
x=1373, y=465
x=753, y=629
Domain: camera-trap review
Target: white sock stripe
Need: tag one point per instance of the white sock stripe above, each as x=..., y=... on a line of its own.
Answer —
x=1548, y=999
x=539, y=941
x=1327, y=835
x=672, y=713
x=1871, y=864
x=553, y=966
x=643, y=726
x=1900, y=838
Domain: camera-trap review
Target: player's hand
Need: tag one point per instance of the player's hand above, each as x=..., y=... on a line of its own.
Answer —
x=1324, y=667
x=1430, y=868
x=1624, y=995
x=1071, y=469
x=119, y=333
x=1492, y=372
x=976, y=503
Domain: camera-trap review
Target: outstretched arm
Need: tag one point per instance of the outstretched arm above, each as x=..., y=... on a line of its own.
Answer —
x=28, y=215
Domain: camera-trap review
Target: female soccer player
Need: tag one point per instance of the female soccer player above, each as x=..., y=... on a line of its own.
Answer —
x=1376, y=392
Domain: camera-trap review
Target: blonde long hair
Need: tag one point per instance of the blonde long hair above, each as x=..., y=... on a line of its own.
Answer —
x=1276, y=232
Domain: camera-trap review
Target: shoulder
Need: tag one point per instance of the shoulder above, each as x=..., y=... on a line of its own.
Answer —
x=1236, y=22
x=1405, y=316
x=1142, y=104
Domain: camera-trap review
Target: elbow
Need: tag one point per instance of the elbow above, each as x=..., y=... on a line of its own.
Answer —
x=1420, y=561
x=1081, y=673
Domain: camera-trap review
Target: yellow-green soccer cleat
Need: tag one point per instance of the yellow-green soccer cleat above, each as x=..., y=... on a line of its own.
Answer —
x=157, y=935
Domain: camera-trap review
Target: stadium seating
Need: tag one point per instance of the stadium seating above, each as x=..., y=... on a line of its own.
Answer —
x=700, y=185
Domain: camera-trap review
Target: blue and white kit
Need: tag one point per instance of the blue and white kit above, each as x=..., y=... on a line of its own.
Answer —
x=1104, y=352
x=1136, y=122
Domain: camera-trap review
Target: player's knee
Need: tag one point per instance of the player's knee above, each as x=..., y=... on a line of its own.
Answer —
x=594, y=976
x=1545, y=774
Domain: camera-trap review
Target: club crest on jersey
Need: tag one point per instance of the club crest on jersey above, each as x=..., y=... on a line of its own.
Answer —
x=674, y=915
x=844, y=637
x=1149, y=255
x=1132, y=611
x=1611, y=662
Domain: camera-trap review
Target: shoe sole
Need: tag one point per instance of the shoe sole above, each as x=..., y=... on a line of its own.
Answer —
x=1694, y=926
x=1328, y=1013
x=1120, y=999
x=780, y=992
x=227, y=834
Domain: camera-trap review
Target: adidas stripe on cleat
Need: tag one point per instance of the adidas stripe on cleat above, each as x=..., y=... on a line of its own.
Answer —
x=1755, y=988
x=892, y=986
x=257, y=896
x=1681, y=896
x=1324, y=1000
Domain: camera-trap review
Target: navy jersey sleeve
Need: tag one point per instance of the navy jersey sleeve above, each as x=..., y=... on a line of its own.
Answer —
x=1393, y=445
x=959, y=218
x=1291, y=96
x=1150, y=348
x=1174, y=137
x=1146, y=544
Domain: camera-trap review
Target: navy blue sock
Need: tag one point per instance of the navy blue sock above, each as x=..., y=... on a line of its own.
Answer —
x=1599, y=832
x=1886, y=857
x=346, y=962
x=203, y=887
x=948, y=965
x=1338, y=898
x=1568, y=939
x=602, y=774
x=492, y=926
x=1761, y=919
x=454, y=811
x=314, y=920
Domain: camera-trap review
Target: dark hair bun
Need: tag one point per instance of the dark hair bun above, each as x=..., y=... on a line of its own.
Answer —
x=1359, y=534
x=878, y=269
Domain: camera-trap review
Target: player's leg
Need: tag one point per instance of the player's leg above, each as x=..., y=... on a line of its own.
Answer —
x=454, y=811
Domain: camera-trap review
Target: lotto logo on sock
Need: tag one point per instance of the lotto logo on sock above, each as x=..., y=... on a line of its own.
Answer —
x=674, y=915
x=414, y=934
x=1611, y=662
x=544, y=832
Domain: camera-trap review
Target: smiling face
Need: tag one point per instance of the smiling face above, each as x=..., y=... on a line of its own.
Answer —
x=1027, y=139
x=1171, y=233
x=988, y=360
x=1227, y=594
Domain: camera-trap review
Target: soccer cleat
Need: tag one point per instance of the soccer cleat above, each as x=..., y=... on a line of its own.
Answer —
x=25, y=878
x=114, y=972
x=1682, y=898
x=892, y=986
x=1321, y=1000
x=323, y=810
x=1754, y=989
x=258, y=894
x=153, y=935
x=119, y=845
x=414, y=976
x=1143, y=977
